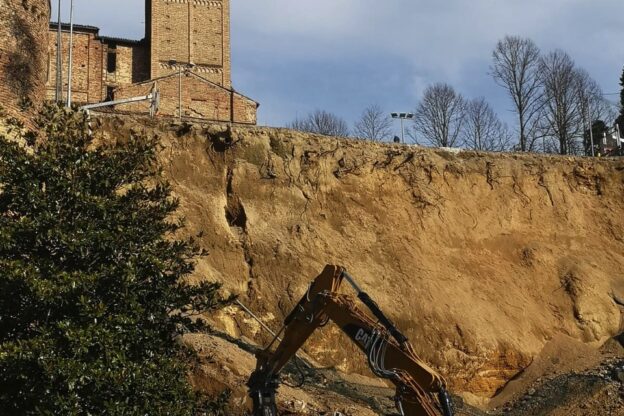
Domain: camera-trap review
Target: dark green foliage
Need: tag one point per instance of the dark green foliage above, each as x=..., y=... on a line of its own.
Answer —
x=92, y=292
x=599, y=129
x=620, y=119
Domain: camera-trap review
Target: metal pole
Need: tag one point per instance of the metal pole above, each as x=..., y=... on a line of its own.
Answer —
x=180, y=93
x=402, y=132
x=262, y=324
x=591, y=129
x=71, y=53
x=150, y=96
x=58, y=97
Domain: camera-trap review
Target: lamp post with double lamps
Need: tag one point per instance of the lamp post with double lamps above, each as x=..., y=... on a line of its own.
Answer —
x=403, y=117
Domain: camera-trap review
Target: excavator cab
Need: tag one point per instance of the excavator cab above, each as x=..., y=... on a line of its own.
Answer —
x=420, y=391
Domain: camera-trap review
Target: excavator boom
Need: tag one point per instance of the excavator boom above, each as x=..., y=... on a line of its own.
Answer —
x=420, y=391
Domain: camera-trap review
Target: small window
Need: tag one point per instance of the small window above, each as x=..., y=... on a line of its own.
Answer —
x=110, y=93
x=111, y=64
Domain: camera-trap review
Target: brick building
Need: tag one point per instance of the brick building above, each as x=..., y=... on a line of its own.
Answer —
x=23, y=55
x=185, y=55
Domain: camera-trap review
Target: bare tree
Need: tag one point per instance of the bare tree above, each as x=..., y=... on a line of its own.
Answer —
x=538, y=134
x=515, y=67
x=439, y=116
x=373, y=124
x=563, y=109
x=321, y=122
x=593, y=106
x=483, y=130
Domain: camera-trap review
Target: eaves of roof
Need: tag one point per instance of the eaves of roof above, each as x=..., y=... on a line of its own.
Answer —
x=96, y=31
x=79, y=28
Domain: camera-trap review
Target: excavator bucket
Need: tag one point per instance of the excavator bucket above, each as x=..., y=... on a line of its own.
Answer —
x=445, y=403
x=263, y=395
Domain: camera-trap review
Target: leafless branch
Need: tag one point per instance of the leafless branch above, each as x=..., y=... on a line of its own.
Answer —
x=563, y=108
x=516, y=68
x=373, y=124
x=483, y=130
x=439, y=116
x=321, y=122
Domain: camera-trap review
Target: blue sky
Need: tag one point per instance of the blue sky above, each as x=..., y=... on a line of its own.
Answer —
x=294, y=56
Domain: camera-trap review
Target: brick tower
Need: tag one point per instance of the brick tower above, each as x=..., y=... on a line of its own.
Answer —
x=23, y=55
x=190, y=34
x=185, y=56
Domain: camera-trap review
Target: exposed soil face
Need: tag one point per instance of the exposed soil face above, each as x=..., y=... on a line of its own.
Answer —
x=482, y=259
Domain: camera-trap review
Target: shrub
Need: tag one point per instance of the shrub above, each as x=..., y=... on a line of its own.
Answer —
x=92, y=283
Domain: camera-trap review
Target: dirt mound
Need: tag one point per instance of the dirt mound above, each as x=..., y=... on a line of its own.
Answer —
x=482, y=259
x=595, y=392
x=560, y=356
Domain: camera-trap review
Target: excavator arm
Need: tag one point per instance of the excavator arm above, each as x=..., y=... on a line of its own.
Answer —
x=420, y=391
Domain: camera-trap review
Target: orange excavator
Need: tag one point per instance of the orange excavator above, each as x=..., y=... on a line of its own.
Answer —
x=420, y=391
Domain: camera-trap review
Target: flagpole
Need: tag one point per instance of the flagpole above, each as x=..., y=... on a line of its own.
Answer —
x=71, y=53
x=59, y=59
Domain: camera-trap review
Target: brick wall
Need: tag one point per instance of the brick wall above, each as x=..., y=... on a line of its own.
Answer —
x=132, y=64
x=184, y=31
x=190, y=31
x=90, y=75
x=200, y=99
x=23, y=55
x=88, y=60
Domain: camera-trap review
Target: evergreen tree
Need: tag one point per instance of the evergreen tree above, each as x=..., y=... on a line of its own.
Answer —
x=620, y=119
x=599, y=129
x=92, y=282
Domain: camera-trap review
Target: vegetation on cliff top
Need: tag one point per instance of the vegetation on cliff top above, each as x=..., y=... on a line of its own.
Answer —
x=92, y=282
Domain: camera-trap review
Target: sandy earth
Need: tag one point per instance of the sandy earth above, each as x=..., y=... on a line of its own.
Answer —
x=482, y=259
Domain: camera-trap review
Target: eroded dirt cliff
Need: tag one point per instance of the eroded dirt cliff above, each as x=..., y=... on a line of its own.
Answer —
x=480, y=258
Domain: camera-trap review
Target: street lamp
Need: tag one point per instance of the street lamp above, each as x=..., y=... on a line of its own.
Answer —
x=402, y=117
